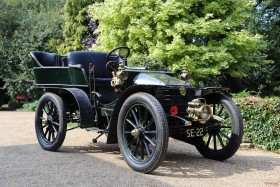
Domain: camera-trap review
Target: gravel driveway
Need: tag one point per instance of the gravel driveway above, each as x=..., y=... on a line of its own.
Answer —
x=82, y=163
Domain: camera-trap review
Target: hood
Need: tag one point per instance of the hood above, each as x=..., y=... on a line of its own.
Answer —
x=158, y=79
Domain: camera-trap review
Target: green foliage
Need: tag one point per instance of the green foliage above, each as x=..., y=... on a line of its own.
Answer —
x=35, y=23
x=262, y=121
x=72, y=125
x=242, y=94
x=13, y=105
x=7, y=20
x=29, y=106
x=74, y=27
x=207, y=36
x=149, y=62
x=266, y=21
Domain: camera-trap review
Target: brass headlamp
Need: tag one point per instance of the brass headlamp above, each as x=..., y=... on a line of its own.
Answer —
x=199, y=110
x=119, y=77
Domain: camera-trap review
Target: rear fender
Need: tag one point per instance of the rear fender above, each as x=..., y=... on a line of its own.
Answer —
x=84, y=105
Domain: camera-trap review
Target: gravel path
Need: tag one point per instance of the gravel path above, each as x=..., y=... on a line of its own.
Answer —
x=82, y=163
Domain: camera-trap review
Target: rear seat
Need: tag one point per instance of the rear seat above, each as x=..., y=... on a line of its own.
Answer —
x=46, y=59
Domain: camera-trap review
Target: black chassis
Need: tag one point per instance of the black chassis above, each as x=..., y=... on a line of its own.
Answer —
x=135, y=107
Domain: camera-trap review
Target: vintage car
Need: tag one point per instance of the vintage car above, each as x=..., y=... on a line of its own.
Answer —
x=133, y=106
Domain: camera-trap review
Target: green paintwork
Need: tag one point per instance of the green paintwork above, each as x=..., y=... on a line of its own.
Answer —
x=60, y=76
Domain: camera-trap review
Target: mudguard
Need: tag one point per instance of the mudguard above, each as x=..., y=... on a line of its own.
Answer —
x=84, y=104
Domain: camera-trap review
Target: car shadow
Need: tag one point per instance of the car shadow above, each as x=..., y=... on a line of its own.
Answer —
x=183, y=165
x=92, y=148
x=184, y=161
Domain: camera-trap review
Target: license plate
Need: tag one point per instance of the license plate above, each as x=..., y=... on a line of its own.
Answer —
x=195, y=132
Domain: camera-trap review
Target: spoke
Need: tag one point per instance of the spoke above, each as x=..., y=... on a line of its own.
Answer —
x=127, y=132
x=140, y=115
x=221, y=110
x=54, y=128
x=145, y=116
x=135, y=118
x=226, y=116
x=226, y=136
x=209, y=138
x=149, y=140
x=54, y=110
x=46, y=132
x=136, y=148
x=50, y=108
x=147, y=148
x=44, y=111
x=150, y=132
x=215, y=142
x=132, y=142
x=149, y=124
x=54, y=136
x=220, y=140
x=131, y=123
x=214, y=109
x=142, y=150
x=55, y=123
x=43, y=126
x=49, y=136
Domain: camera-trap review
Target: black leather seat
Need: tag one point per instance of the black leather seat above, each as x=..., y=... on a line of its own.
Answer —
x=84, y=58
x=44, y=59
x=103, y=77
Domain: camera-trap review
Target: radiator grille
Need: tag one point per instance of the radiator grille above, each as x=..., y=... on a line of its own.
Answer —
x=171, y=97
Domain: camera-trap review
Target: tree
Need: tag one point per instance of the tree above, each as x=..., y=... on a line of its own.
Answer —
x=267, y=22
x=32, y=25
x=206, y=36
x=76, y=24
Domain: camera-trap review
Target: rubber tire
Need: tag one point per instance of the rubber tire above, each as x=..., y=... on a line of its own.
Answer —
x=58, y=102
x=159, y=117
x=236, y=137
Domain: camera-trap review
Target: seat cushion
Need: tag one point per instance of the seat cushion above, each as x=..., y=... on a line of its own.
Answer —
x=84, y=58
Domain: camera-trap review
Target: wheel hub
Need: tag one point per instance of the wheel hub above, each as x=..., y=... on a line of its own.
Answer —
x=135, y=133
x=45, y=121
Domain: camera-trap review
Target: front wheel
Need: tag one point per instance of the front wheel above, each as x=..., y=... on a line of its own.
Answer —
x=142, y=132
x=225, y=136
x=50, y=122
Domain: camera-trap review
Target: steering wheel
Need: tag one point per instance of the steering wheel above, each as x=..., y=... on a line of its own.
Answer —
x=113, y=60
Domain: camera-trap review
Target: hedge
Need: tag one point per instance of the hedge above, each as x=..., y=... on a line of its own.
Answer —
x=261, y=121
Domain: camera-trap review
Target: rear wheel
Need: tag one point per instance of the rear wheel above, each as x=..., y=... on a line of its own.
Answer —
x=142, y=132
x=50, y=122
x=225, y=136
